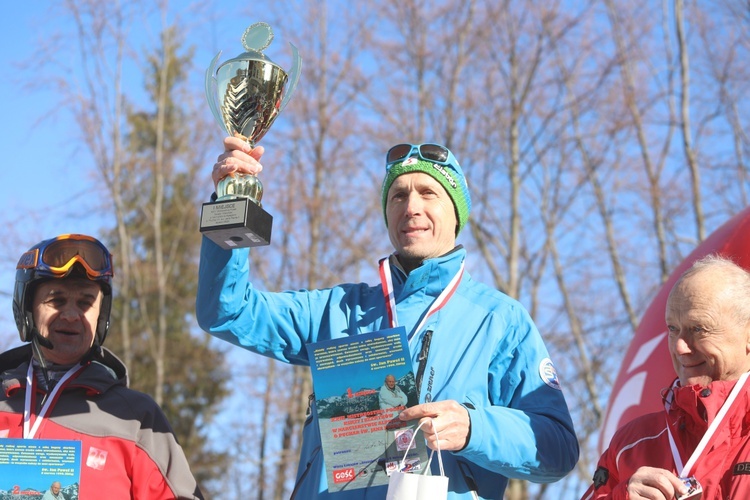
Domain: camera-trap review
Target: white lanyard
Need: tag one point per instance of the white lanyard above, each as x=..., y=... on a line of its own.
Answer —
x=390, y=298
x=30, y=432
x=685, y=470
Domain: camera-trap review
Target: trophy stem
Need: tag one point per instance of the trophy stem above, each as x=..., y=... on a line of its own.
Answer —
x=240, y=185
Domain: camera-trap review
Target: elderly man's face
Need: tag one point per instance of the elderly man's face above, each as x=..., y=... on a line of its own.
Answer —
x=390, y=382
x=707, y=341
x=66, y=312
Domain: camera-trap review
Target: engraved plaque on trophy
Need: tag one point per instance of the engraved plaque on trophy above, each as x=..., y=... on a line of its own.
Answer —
x=245, y=95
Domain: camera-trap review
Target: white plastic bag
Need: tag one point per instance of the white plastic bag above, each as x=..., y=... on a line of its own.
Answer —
x=414, y=486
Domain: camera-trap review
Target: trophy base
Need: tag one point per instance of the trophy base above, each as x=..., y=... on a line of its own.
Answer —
x=237, y=223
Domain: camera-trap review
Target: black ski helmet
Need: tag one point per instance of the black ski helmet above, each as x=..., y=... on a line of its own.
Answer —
x=56, y=258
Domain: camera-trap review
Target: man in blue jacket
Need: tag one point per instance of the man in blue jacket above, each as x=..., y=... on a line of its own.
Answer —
x=484, y=375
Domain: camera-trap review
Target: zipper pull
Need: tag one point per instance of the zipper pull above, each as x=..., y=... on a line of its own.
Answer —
x=310, y=400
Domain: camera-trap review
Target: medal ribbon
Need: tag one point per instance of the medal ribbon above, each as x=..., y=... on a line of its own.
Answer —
x=30, y=431
x=390, y=298
x=686, y=469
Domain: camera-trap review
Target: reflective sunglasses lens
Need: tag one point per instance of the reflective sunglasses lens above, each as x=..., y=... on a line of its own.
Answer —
x=398, y=152
x=433, y=152
x=59, y=253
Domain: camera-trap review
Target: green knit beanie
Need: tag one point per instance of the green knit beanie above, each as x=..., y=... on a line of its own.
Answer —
x=450, y=176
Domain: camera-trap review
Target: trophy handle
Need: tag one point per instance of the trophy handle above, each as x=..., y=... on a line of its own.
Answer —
x=211, y=85
x=294, y=72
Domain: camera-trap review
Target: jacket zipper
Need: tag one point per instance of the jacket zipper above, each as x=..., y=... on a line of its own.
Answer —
x=423, y=353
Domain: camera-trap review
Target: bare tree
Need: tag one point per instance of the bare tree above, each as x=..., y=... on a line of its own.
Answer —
x=144, y=172
x=627, y=58
x=687, y=141
x=563, y=115
x=102, y=34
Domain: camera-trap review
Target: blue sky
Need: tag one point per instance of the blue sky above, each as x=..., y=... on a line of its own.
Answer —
x=25, y=180
x=27, y=141
x=46, y=176
x=45, y=165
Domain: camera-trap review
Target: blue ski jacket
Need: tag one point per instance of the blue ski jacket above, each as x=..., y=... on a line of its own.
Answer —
x=485, y=353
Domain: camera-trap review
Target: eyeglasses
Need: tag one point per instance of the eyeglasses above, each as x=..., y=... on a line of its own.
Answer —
x=59, y=254
x=430, y=152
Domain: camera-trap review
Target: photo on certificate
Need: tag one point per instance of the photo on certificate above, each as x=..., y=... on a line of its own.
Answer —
x=361, y=384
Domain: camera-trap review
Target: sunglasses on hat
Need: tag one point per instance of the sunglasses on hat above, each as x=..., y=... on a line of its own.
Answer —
x=58, y=255
x=429, y=152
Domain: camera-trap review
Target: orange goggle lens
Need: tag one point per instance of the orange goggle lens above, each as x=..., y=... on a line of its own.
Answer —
x=59, y=255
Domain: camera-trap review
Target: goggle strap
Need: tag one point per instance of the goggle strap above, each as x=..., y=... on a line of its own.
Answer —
x=29, y=260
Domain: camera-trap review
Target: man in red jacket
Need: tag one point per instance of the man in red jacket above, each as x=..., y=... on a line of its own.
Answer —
x=63, y=385
x=704, y=431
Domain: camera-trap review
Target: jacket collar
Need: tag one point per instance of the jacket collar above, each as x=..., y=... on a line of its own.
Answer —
x=436, y=273
x=104, y=372
x=428, y=280
x=701, y=404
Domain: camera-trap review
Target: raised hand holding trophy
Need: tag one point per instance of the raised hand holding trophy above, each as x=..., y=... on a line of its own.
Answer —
x=245, y=95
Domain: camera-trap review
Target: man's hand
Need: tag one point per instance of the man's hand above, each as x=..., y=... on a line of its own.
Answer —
x=450, y=420
x=238, y=156
x=652, y=483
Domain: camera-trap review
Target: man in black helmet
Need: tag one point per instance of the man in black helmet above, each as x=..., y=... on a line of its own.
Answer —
x=64, y=385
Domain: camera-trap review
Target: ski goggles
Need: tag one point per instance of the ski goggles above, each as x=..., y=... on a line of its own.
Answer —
x=429, y=152
x=58, y=255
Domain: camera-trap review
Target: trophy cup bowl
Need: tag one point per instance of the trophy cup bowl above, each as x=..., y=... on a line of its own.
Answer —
x=246, y=95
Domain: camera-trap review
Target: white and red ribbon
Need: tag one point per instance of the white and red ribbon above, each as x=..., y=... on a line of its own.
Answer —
x=437, y=304
x=29, y=430
x=685, y=470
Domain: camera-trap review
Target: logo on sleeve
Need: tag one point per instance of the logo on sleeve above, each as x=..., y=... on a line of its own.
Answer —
x=97, y=458
x=601, y=476
x=549, y=374
x=742, y=469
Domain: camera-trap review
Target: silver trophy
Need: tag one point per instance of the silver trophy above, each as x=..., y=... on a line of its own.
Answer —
x=245, y=95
